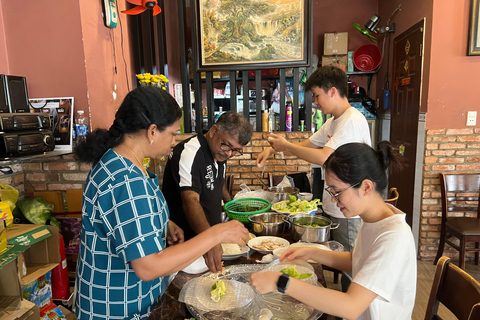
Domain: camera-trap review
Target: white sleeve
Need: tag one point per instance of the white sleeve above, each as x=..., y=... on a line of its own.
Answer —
x=353, y=129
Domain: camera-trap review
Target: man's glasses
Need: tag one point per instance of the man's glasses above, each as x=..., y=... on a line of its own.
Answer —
x=235, y=151
x=336, y=195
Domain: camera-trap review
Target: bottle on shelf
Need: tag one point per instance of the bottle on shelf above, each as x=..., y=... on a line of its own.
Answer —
x=288, y=116
x=271, y=120
x=81, y=126
x=265, y=120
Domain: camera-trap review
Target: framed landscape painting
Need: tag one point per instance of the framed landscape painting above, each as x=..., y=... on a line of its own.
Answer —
x=252, y=34
x=474, y=30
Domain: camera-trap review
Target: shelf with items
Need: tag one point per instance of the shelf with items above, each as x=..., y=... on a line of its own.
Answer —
x=369, y=75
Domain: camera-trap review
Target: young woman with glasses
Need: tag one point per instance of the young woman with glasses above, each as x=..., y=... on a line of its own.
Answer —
x=383, y=260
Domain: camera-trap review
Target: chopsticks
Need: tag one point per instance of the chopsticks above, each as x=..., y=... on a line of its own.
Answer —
x=259, y=179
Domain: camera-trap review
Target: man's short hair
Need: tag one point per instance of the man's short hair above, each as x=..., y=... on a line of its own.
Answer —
x=235, y=125
x=327, y=77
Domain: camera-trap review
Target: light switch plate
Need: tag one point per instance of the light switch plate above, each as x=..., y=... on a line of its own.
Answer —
x=471, y=118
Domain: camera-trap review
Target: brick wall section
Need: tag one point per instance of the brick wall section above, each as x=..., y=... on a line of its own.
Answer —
x=244, y=167
x=446, y=150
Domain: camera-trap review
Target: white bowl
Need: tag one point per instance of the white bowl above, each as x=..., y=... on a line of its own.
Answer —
x=255, y=242
x=236, y=254
x=305, y=196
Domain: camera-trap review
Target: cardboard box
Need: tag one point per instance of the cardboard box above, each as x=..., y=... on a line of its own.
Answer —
x=339, y=61
x=26, y=310
x=39, y=291
x=335, y=43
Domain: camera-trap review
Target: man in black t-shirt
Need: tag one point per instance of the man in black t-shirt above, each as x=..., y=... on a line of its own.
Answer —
x=193, y=182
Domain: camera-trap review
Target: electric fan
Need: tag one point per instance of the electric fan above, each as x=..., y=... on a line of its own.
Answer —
x=142, y=5
x=364, y=31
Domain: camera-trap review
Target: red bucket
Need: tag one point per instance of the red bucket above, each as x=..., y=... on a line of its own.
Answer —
x=367, y=57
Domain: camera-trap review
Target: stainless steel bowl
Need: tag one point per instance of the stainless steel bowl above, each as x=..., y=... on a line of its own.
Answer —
x=282, y=193
x=305, y=233
x=268, y=224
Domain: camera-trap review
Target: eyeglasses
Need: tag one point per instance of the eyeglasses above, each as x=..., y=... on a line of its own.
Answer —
x=235, y=151
x=336, y=195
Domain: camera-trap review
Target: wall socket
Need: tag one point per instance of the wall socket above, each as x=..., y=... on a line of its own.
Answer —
x=471, y=118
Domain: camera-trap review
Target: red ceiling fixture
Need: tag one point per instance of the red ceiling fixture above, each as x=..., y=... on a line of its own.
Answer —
x=142, y=5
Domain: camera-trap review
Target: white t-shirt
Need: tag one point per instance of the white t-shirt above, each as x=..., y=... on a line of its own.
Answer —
x=384, y=261
x=351, y=126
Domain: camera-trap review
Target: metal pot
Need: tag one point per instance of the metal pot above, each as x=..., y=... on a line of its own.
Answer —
x=282, y=193
x=268, y=224
x=311, y=234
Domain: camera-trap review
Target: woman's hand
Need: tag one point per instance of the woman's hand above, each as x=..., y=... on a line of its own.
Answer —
x=264, y=282
x=300, y=253
x=232, y=231
x=174, y=233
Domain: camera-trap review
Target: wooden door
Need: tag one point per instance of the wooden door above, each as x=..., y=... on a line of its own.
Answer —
x=407, y=75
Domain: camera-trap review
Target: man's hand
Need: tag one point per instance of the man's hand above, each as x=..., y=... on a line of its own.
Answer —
x=213, y=259
x=174, y=233
x=263, y=156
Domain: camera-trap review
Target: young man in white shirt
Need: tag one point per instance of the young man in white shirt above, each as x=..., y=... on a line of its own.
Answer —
x=329, y=88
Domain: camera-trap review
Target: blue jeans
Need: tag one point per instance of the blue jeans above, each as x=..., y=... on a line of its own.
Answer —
x=346, y=233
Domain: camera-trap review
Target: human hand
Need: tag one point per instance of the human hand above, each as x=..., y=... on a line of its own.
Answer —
x=264, y=282
x=232, y=231
x=174, y=233
x=300, y=253
x=213, y=259
x=277, y=142
x=263, y=156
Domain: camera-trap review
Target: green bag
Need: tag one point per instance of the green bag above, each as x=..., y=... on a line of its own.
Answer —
x=38, y=210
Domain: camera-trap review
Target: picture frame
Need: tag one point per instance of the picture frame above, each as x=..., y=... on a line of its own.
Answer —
x=267, y=35
x=474, y=30
x=61, y=114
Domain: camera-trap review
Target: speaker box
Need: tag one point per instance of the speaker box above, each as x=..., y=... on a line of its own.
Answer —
x=3, y=95
x=17, y=94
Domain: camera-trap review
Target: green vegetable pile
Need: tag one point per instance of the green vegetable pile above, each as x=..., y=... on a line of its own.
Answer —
x=218, y=290
x=292, y=272
x=294, y=206
x=314, y=225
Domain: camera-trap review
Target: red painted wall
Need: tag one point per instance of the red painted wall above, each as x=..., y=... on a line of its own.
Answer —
x=64, y=49
x=453, y=88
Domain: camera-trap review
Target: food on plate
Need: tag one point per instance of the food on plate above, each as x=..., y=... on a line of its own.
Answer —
x=231, y=249
x=294, y=205
x=292, y=272
x=267, y=245
x=218, y=290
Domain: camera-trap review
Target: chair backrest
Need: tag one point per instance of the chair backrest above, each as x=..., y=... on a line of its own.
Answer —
x=456, y=290
x=393, y=196
x=229, y=178
x=465, y=188
x=273, y=180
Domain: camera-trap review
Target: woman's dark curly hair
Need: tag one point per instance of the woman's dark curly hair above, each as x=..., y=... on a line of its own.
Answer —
x=141, y=107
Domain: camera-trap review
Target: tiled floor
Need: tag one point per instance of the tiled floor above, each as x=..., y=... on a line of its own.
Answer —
x=426, y=273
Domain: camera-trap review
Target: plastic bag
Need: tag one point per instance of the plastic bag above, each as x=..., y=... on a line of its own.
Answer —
x=9, y=195
x=246, y=192
x=37, y=210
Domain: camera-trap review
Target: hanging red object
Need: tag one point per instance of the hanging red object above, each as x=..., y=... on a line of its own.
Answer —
x=60, y=283
x=142, y=5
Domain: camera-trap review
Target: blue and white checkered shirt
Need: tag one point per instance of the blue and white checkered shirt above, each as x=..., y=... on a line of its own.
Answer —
x=125, y=217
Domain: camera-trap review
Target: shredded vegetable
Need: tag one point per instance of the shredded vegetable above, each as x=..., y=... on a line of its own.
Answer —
x=295, y=206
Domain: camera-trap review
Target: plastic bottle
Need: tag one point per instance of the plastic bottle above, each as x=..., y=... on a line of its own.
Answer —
x=271, y=120
x=265, y=121
x=81, y=126
x=288, y=116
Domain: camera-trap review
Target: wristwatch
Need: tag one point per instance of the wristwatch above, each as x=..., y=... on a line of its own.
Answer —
x=282, y=283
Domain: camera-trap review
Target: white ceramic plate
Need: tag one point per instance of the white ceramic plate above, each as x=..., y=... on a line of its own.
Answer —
x=237, y=254
x=288, y=212
x=255, y=242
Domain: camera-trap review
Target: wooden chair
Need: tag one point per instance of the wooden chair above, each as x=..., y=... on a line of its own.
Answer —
x=274, y=180
x=456, y=290
x=393, y=196
x=229, y=179
x=466, y=229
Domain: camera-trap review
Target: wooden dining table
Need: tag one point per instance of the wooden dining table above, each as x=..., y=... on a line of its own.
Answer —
x=168, y=306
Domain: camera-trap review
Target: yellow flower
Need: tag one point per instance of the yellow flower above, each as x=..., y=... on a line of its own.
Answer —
x=147, y=79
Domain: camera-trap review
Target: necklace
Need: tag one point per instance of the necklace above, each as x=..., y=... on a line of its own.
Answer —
x=139, y=162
